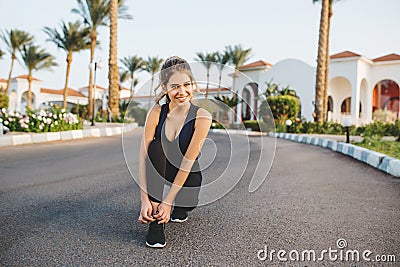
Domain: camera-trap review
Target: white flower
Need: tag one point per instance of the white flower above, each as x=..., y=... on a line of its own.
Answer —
x=34, y=116
x=63, y=110
x=55, y=116
x=1, y=120
x=41, y=126
x=56, y=122
x=3, y=110
x=5, y=122
x=39, y=117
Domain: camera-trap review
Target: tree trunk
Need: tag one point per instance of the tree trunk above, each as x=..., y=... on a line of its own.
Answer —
x=10, y=73
x=69, y=61
x=208, y=79
x=29, y=91
x=132, y=83
x=234, y=84
x=327, y=64
x=93, y=40
x=219, y=93
x=219, y=83
x=320, y=85
x=113, y=75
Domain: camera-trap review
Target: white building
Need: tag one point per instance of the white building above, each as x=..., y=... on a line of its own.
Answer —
x=18, y=95
x=357, y=86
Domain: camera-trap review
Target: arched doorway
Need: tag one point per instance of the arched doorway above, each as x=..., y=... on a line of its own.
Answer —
x=247, y=107
x=385, y=96
x=339, y=91
x=245, y=104
x=345, y=107
x=24, y=101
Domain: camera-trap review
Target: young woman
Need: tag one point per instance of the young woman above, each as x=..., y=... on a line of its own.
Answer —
x=173, y=136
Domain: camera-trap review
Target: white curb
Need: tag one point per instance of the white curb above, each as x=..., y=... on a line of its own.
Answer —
x=375, y=159
x=34, y=138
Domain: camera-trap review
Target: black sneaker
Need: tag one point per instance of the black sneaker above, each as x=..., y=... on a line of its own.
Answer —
x=179, y=215
x=155, y=236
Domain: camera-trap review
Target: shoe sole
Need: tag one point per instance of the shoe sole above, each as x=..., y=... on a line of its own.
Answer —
x=156, y=245
x=178, y=220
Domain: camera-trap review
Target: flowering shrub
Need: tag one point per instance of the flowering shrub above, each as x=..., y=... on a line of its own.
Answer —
x=50, y=120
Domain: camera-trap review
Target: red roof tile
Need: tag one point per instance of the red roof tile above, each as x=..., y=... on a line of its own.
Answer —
x=259, y=63
x=387, y=58
x=3, y=80
x=97, y=87
x=345, y=54
x=25, y=76
x=71, y=92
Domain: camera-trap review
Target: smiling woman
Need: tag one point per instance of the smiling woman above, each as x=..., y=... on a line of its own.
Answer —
x=173, y=137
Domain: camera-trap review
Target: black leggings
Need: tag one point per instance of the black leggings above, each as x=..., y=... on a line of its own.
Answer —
x=159, y=171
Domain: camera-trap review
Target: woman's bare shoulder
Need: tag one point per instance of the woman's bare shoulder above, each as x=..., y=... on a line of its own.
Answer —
x=154, y=113
x=203, y=113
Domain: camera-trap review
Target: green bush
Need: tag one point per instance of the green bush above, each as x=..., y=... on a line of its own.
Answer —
x=258, y=126
x=216, y=125
x=283, y=107
x=3, y=101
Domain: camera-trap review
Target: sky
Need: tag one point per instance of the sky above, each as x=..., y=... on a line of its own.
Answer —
x=274, y=30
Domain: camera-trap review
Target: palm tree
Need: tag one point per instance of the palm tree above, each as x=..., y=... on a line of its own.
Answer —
x=35, y=59
x=1, y=54
x=222, y=59
x=72, y=38
x=152, y=66
x=207, y=59
x=15, y=41
x=132, y=65
x=95, y=13
x=238, y=57
x=321, y=81
x=113, y=73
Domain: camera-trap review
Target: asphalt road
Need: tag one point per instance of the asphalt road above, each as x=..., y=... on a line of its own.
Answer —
x=74, y=203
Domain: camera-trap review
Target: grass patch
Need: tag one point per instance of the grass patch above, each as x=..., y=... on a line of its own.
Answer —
x=390, y=148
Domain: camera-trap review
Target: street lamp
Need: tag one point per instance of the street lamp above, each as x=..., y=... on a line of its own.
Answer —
x=288, y=124
x=346, y=124
x=93, y=66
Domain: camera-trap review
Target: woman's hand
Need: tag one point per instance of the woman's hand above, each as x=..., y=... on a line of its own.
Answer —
x=163, y=213
x=146, y=212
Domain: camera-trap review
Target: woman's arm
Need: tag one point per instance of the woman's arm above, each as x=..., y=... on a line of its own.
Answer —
x=147, y=137
x=201, y=128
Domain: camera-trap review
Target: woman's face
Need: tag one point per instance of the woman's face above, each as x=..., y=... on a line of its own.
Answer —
x=179, y=88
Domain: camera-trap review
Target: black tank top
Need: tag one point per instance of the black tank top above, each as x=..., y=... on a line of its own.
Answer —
x=175, y=150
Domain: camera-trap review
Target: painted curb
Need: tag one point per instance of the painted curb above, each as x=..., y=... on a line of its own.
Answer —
x=35, y=138
x=390, y=165
x=375, y=159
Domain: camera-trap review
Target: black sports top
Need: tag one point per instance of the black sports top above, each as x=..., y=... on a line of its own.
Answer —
x=175, y=149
